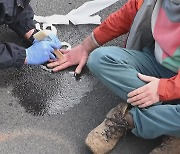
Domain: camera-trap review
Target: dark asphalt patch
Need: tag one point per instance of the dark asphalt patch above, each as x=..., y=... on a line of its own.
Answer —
x=41, y=92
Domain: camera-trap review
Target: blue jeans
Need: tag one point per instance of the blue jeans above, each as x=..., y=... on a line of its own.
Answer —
x=117, y=68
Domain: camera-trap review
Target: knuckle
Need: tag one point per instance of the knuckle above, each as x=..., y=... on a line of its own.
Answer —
x=148, y=93
x=58, y=62
x=137, y=97
x=137, y=103
x=138, y=91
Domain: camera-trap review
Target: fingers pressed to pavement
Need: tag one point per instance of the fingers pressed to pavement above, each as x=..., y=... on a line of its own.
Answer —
x=61, y=67
x=80, y=66
x=56, y=63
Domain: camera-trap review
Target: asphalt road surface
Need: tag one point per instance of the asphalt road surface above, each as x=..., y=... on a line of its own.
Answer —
x=45, y=113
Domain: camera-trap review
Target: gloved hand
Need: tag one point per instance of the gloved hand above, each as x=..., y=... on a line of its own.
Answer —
x=51, y=37
x=41, y=52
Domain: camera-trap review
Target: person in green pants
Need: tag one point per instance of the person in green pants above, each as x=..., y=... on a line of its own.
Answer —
x=145, y=73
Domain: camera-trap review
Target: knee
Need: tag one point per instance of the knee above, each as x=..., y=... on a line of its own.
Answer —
x=104, y=57
x=94, y=62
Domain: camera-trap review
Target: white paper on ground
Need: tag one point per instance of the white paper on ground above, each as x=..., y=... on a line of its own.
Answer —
x=77, y=20
x=81, y=15
x=54, y=19
x=91, y=7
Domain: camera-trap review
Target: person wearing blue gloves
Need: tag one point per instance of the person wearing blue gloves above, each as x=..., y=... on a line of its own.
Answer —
x=18, y=15
x=41, y=52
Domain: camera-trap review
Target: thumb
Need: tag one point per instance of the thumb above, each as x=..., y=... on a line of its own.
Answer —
x=80, y=66
x=145, y=78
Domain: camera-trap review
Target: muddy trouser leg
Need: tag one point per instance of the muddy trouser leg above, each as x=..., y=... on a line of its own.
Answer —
x=117, y=69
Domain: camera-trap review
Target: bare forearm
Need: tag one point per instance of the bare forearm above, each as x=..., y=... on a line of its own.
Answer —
x=89, y=44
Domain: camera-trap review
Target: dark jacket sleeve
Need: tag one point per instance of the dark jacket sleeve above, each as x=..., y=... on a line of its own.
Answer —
x=23, y=19
x=11, y=55
x=18, y=15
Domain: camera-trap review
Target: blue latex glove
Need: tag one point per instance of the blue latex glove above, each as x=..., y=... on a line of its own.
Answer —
x=51, y=37
x=41, y=52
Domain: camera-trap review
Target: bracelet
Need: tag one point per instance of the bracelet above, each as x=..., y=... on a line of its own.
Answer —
x=94, y=40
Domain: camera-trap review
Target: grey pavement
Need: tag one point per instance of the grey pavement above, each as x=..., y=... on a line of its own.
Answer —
x=45, y=113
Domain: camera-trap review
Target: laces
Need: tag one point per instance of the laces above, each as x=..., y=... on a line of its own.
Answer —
x=117, y=124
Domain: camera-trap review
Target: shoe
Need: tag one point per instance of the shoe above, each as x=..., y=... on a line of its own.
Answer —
x=105, y=136
x=170, y=145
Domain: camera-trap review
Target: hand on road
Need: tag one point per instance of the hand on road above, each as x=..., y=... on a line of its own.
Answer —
x=76, y=56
